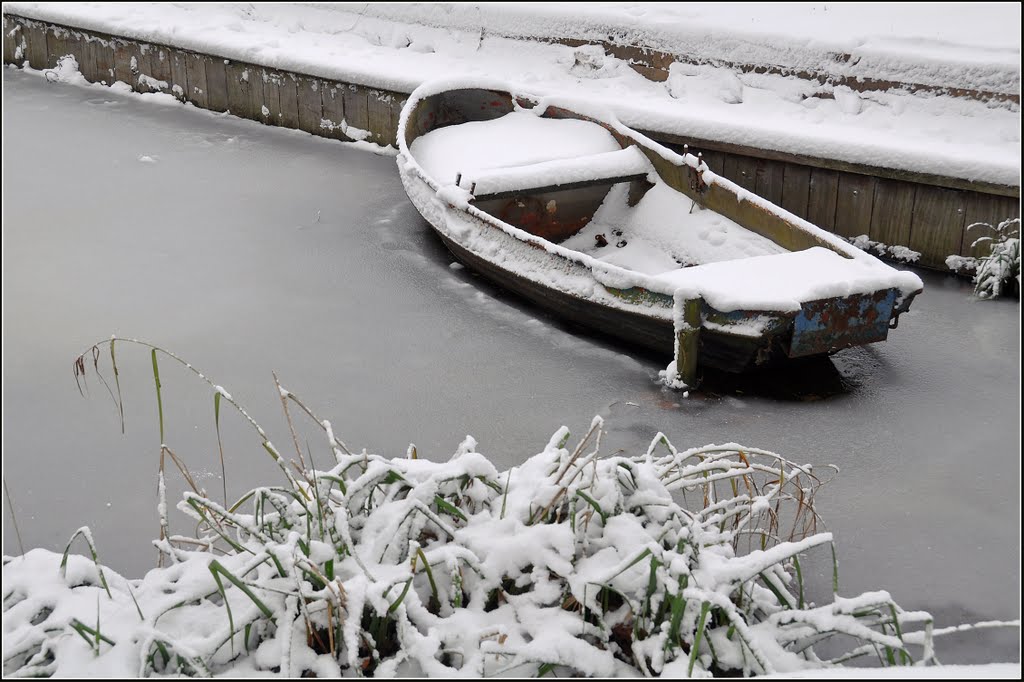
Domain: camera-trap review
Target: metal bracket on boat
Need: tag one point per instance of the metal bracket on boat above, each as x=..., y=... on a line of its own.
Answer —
x=902, y=307
x=697, y=183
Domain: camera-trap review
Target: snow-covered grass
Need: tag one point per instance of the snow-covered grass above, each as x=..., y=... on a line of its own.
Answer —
x=658, y=561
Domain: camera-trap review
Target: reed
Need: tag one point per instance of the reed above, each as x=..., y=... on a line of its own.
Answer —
x=653, y=562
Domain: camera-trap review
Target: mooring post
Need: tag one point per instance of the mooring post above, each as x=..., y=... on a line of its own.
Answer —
x=687, y=329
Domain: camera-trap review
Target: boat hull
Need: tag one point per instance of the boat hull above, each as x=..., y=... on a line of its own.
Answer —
x=669, y=317
x=651, y=329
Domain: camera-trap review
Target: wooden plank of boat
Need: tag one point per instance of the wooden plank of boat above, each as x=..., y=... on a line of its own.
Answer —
x=539, y=217
x=624, y=165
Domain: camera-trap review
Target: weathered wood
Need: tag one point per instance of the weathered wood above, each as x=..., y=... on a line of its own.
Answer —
x=240, y=78
x=288, y=100
x=750, y=214
x=257, y=94
x=160, y=66
x=333, y=99
x=856, y=194
x=892, y=211
x=688, y=343
x=125, y=61
x=197, y=91
x=768, y=179
x=836, y=164
x=179, y=74
x=85, y=53
x=560, y=187
x=103, y=53
x=742, y=170
x=398, y=101
x=796, y=187
x=356, y=115
x=272, y=81
x=35, y=47
x=56, y=45
x=378, y=110
x=12, y=38
x=216, y=83
x=990, y=210
x=61, y=43
x=936, y=230
x=823, y=191
x=715, y=161
x=311, y=106
x=143, y=67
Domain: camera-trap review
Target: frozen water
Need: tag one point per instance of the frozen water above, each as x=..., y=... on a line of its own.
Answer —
x=248, y=249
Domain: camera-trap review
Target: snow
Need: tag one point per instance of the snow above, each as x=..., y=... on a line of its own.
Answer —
x=561, y=525
x=605, y=165
x=399, y=47
x=664, y=231
x=517, y=139
x=781, y=282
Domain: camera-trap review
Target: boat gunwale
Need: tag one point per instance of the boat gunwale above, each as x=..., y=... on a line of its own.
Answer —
x=602, y=272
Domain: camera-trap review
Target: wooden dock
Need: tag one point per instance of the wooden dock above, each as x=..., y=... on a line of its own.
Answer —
x=927, y=213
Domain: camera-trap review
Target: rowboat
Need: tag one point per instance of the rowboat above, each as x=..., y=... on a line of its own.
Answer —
x=556, y=200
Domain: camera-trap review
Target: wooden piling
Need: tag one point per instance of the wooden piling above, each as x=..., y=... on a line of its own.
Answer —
x=688, y=342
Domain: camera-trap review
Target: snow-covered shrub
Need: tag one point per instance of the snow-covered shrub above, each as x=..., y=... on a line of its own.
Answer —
x=999, y=271
x=659, y=561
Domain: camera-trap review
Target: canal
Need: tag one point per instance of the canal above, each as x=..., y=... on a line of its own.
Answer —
x=248, y=249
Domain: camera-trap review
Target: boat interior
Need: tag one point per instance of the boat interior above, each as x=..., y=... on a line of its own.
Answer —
x=579, y=182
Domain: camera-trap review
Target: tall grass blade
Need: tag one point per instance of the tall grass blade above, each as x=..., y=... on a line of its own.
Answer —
x=14, y=518
x=220, y=445
x=159, y=396
x=695, y=649
x=86, y=535
x=117, y=383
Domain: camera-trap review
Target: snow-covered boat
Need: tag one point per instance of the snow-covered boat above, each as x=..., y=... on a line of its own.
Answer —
x=561, y=203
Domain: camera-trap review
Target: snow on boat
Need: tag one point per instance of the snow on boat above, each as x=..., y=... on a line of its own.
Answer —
x=561, y=203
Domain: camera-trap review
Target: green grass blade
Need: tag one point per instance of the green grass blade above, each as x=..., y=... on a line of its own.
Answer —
x=159, y=397
x=217, y=568
x=446, y=506
x=704, y=608
x=86, y=535
x=88, y=634
x=593, y=503
x=117, y=383
x=799, y=581
x=504, y=498
x=398, y=602
x=220, y=445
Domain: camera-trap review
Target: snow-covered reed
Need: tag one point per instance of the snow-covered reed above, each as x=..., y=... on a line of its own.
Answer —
x=654, y=562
